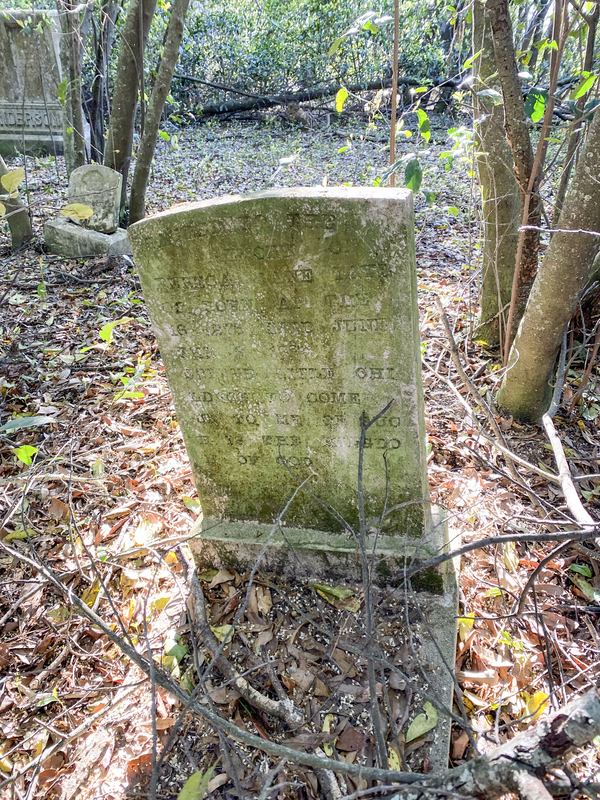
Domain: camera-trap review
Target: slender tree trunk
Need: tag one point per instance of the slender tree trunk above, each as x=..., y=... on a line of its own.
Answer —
x=71, y=58
x=575, y=138
x=17, y=215
x=526, y=391
x=532, y=34
x=162, y=85
x=518, y=136
x=129, y=69
x=501, y=206
x=104, y=41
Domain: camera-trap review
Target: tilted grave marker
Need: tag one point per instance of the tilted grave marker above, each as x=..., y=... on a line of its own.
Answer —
x=281, y=316
x=30, y=73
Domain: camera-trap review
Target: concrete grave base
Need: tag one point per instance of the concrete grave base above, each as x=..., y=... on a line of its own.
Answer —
x=301, y=555
x=65, y=238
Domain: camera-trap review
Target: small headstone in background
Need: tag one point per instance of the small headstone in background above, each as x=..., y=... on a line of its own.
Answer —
x=100, y=188
x=30, y=111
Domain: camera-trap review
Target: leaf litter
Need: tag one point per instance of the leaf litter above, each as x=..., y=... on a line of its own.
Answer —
x=93, y=471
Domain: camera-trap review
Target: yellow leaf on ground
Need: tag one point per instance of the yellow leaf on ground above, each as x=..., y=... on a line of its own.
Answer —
x=224, y=633
x=77, y=211
x=535, y=705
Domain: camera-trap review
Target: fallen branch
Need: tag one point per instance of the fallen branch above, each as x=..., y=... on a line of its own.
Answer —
x=572, y=500
x=286, y=98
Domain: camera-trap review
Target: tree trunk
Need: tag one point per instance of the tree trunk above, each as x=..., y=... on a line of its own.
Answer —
x=501, y=206
x=129, y=70
x=526, y=391
x=574, y=139
x=518, y=136
x=16, y=213
x=97, y=110
x=137, y=205
x=532, y=34
x=71, y=56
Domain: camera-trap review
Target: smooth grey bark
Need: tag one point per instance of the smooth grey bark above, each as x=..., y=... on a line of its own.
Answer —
x=16, y=214
x=130, y=65
x=162, y=85
x=71, y=56
x=575, y=137
x=566, y=270
x=501, y=205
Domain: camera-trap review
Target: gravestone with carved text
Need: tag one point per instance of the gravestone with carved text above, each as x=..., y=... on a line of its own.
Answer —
x=30, y=73
x=283, y=317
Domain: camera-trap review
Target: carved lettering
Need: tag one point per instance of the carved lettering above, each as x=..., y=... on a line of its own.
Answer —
x=333, y=397
x=377, y=325
x=376, y=373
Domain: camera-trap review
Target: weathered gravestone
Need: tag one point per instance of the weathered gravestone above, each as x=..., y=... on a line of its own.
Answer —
x=281, y=317
x=30, y=73
x=99, y=188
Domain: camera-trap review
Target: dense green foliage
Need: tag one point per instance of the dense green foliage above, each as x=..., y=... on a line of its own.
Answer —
x=282, y=45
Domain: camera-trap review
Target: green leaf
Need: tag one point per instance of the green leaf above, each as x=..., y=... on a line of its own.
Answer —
x=413, y=175
x=25, y=453
x=336, y=45
x=335, y=591
x=26, y=422
x=2, y=209
x=423, y=723
x=196, y=786
x=535, y=105
x=340, y=99
x=12, y=180
x=424, y=126
x=192, y=504
x=106, y=332
x=582, y=569
x=164, y=135
x=98, y=469
x=469, y=61
x=62, y=91
x=429, y=196
x=492, y=95
x=77, y=211
x=591, y=595
x=175, y=650
x=453, y=210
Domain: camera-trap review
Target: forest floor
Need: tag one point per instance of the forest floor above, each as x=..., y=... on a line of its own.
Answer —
x=95, y=485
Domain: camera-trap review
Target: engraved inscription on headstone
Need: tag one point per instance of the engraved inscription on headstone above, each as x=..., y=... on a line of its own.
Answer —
x=30, y=112
x=281, y=317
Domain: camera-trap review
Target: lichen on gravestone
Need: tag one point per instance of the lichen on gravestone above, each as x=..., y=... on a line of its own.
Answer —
x=281, y=317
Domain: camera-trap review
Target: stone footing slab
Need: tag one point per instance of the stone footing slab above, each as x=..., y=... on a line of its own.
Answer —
x=300, y=555
x=64, y=238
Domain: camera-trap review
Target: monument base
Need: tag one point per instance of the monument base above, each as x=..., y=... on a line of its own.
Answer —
x=65, y=238
x=301, y=555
